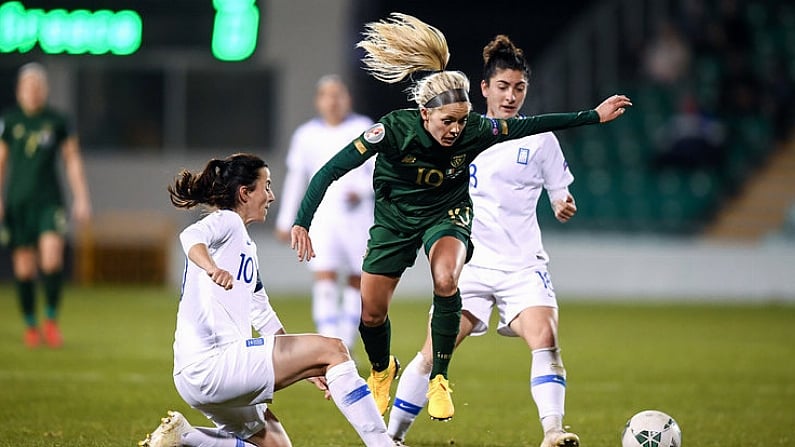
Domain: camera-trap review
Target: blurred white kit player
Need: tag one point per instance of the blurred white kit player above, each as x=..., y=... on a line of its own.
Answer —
x=340, y=231
x=508, y=270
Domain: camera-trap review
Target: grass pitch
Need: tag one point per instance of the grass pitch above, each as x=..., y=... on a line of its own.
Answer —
x=726, y=373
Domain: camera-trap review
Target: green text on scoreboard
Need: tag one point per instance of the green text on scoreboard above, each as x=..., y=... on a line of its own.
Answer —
x=81, y=31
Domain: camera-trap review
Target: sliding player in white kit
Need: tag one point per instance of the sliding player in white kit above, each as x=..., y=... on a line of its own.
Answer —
x=344, y=217
x=219, y=367
x=508, y=269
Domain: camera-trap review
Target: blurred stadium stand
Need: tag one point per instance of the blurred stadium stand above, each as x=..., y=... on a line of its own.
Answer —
x=740, y=78
x=171, y=105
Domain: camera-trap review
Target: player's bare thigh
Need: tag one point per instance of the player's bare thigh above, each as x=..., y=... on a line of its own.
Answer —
x=297, y=357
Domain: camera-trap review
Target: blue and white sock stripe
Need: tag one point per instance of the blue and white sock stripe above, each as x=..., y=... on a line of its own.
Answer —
x=355, y=395
x=408, y=407
x=240, y=443
x=551, y=378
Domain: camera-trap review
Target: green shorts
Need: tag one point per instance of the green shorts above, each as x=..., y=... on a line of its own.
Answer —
x=24, y=224
x=391, y=252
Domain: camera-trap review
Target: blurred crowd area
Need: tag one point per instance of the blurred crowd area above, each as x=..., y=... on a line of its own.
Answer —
x=713, y=83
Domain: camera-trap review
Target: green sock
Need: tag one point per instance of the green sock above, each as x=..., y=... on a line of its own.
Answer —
x=444, y=330
x=27, y=301
x=376, y=341
x=53, y=283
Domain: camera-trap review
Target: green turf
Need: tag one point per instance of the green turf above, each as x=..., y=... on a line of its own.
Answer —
x=725, y=372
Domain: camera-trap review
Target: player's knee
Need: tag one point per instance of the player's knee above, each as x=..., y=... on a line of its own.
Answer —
x=543, y=337
x=445, y=284
x=372, y=319
x=336, y=351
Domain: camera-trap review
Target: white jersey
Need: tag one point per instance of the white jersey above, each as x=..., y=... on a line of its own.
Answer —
x=312, y=145
x=211, y=318
x=505, y=184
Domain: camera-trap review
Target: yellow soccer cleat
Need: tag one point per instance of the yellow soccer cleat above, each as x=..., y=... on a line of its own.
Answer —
x=380, y=383
x=560, y=438
x=440, y=403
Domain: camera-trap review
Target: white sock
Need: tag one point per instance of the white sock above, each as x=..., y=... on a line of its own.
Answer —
x=211, y=437
x=410, y=397
x=351, y=315
x=325, y=308
x=351, y=395
x=548, y=387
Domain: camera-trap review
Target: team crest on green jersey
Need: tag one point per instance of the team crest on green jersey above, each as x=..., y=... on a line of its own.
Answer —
x=18, y=131
x=458, y=160
x=408, y=159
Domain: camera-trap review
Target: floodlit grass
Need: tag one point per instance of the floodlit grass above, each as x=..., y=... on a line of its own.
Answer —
x=725, y=372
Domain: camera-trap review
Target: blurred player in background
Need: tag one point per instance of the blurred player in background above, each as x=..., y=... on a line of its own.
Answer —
x=508, y=269
x=343, y=218
x=422, y=198
x=34, y=135
x=219, y=368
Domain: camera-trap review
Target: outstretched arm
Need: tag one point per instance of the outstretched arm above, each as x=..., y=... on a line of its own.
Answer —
x=348, y=158
x=340, y=164
x=494, y=130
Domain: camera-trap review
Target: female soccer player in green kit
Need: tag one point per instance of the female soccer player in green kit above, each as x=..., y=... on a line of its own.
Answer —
x=421, y=184
x=32, y=137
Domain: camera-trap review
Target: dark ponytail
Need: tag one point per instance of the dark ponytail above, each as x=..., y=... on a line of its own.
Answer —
x=217, y=184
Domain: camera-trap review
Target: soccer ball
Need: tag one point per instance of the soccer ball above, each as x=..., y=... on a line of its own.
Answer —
x=651, y=428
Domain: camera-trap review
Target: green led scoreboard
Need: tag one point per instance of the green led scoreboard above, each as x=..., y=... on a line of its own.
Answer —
x=79, y=30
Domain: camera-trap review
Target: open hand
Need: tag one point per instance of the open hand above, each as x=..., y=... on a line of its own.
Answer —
x=301, y=243
x=612, y=107
x=320, y=383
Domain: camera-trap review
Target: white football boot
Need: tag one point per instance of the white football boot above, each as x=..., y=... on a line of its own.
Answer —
x=560, y=438
x=169, y=433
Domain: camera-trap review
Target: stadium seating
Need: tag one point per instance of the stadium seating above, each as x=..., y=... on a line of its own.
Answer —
x=622, y=186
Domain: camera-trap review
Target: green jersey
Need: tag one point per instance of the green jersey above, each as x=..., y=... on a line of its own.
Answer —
x=415, y=178
x=33, y=143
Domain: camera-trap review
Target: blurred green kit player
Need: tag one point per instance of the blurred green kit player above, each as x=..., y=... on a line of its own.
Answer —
x=32, y=214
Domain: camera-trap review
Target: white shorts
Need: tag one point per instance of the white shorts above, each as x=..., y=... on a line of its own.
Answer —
x=233, y=387
x=340, y=245
x=511, y=292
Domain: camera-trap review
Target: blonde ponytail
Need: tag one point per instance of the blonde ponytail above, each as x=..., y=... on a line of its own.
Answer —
x=401, y=45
